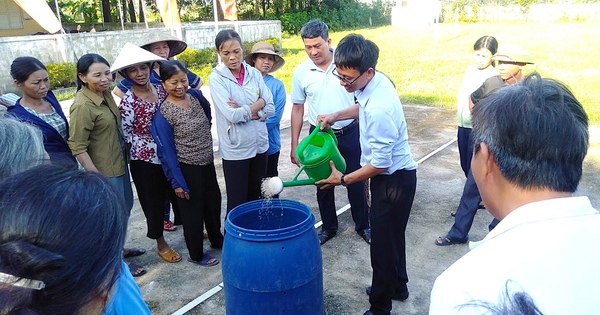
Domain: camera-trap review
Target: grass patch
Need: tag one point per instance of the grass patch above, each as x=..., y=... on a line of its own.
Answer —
x=429, y=72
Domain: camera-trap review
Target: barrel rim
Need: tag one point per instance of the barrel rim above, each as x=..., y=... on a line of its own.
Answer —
x=271, y=234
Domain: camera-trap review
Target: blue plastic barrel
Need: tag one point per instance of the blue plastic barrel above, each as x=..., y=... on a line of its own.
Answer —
x=272, y=261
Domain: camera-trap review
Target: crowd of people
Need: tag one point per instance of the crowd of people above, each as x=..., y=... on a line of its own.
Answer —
x=518, y=165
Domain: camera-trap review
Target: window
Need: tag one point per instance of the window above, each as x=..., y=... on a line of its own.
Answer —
x=10, y=15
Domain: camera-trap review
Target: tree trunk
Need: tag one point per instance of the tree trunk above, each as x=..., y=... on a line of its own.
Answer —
x=131, y=10
x=141, y=13
x=106, y=11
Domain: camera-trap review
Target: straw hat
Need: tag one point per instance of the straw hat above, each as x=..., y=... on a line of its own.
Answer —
x=265, y=48
x=176, y=46
x=513, y=53
x=132, y=55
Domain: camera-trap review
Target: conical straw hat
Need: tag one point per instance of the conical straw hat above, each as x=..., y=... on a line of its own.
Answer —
x=132, y=55
x=176, y=46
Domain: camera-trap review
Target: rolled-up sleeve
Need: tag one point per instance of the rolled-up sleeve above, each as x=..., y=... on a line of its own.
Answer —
x=81, y=124
x=381, y=137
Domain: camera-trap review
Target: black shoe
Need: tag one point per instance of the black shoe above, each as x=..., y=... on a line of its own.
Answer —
x=368, y=313
x=397, y=296
x=365, y=234
x=325, y=236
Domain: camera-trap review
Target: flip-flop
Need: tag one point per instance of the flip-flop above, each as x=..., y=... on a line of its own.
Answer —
x=205, y=261
x=133, y=268
x=169, y=226
x=444, y=241
x=170, y=256
x=132, y=252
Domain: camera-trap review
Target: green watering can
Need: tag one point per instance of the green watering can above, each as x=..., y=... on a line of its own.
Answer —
x=314, y=154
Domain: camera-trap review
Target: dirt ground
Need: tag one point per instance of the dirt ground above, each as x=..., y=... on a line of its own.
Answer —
x=167, y=288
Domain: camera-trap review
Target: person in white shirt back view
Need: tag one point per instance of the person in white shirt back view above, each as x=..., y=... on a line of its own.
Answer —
x=530, y=140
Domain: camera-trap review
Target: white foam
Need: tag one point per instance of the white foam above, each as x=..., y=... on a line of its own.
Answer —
x=271, y=186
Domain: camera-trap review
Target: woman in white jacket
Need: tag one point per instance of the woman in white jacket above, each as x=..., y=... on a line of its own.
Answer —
x=243, y=103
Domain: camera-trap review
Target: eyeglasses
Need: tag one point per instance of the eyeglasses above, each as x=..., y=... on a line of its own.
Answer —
x=337, y=75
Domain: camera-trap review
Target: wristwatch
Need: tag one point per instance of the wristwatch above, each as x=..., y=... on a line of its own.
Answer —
x=343, y=182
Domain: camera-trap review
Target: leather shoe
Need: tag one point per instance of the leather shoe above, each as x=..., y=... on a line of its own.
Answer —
x=365, y=234
x=402, y=296
x=368, y=313
x=325, y=236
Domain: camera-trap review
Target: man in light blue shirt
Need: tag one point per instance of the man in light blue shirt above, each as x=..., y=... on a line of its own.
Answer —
x=386, y=159
x=314, y=84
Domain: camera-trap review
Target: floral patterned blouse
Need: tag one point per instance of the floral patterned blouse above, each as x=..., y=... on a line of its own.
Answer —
x=136, y=117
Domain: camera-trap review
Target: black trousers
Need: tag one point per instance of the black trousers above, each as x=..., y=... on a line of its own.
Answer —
x=349, y=147
x=243, y=179
x=153, y=190
x=465, y=148
x=272, y=163
x=203, y=208
x=391, y=201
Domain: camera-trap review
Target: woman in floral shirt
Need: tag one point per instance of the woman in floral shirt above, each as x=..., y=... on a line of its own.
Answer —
x=138, y=107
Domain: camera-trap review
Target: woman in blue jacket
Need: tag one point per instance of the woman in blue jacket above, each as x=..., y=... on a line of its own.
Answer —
x=40, y=107
x=181, y=130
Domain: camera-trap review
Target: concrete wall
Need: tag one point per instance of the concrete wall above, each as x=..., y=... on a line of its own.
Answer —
x=69, y=47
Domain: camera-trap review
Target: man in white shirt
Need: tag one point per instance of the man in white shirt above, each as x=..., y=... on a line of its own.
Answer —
x=386, y=159
x=313, y=82
x=530, y=140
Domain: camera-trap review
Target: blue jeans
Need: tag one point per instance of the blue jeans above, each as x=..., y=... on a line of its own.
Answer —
x=465, y=213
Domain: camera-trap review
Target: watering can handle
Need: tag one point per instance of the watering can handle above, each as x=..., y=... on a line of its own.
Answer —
x=305, y=142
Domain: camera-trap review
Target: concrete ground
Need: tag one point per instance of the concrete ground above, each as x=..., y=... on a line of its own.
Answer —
x=185, y=288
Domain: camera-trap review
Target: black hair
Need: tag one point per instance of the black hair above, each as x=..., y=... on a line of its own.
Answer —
x=488, y=42
x=517, y=303
x=22, y=67
x=356, y=52
x=84, y=63
x=226, y=35
x=170, y=68
x=537, y=132
x=315, y=28
x=62, y=226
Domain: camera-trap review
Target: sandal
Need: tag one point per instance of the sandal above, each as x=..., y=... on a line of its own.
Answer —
x=207, y=261
x=135, y=269
x=170, y=256
x=446, y=241
x=133, y=252
x=169, y=226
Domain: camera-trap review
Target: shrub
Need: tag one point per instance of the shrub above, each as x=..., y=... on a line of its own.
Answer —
x=62, y=74
x=336, y=16
x=194, y=58
x=273, y=41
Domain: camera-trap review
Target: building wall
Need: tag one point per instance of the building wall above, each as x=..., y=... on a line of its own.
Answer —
x=69, y=47
x=15, y=22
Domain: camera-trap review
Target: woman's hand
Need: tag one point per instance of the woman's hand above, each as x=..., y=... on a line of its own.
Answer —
x=231, y=103
x=182, y=194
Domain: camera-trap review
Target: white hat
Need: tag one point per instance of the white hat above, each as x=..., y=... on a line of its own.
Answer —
x=132, y=55
x=265, y=48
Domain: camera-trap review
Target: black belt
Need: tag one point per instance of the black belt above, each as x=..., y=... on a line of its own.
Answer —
x=346, y=129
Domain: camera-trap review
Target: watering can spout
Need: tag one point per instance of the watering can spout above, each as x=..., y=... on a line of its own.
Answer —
x=313, y=153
